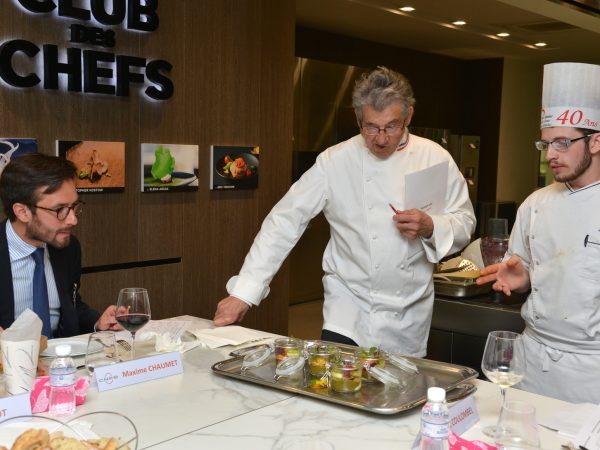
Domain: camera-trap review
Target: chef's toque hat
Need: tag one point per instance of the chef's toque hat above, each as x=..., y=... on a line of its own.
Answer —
x=571, y=96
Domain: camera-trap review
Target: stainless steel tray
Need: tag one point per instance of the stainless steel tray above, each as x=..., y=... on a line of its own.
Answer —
x=460, y=288
x=374, y=397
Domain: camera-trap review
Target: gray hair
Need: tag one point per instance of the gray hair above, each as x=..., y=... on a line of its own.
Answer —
x=379, y=89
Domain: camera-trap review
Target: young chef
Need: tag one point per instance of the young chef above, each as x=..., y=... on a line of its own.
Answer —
x=378, y=263
x=554, y=247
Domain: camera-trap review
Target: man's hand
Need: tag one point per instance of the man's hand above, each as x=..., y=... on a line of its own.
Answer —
x=108, y=320
x=507, y=276
x=230, y=310
x=414, y=223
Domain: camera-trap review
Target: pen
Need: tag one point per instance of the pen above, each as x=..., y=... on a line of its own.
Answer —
x=394, y=209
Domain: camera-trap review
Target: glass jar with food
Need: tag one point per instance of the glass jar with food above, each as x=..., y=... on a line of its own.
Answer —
x=287, y=346
x=345, y=374
x=370, y=357
x=319, y=356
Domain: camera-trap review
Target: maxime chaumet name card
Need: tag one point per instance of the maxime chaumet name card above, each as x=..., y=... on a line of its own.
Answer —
x=138, y=371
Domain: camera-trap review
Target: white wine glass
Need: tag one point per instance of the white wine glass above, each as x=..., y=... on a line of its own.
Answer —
x=503, y=364
x=133, y=311
x=517, y=427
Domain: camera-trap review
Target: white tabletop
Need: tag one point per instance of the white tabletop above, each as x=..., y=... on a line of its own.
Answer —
x=202, y=410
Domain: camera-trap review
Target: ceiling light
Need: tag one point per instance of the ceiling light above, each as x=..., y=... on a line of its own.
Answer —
x=407, y=9
x=459, y=22
x=503, y=34
x=540, y=44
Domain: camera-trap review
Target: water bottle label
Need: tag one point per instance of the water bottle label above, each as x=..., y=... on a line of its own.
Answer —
x=435, y=430
x=62, y=379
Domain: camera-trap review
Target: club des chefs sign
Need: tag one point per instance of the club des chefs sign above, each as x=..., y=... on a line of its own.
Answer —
x=24, y=64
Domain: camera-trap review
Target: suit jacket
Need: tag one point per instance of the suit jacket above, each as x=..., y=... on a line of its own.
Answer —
x=75, y=316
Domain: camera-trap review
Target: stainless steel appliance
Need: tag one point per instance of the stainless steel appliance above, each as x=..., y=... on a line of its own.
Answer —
x=465, y=151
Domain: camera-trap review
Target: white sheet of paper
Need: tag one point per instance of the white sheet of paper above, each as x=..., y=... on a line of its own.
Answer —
x=174, y=327
x=568, y=421
x=426, y=189
x=589, y=434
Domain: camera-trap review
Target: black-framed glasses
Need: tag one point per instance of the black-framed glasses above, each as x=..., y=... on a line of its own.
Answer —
x=390, y=130
x=62, y=212
x=561, y=144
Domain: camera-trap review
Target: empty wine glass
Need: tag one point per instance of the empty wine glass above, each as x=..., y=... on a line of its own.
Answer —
x=503, y=363
x=517, y=427
x=133, y=311
x=101, y=350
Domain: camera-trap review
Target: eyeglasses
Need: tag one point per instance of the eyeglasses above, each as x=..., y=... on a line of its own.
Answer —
x=63, y=212
x=390, y=130
x=560, y=145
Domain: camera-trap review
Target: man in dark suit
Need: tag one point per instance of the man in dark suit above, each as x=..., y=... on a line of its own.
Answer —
x=40, y=200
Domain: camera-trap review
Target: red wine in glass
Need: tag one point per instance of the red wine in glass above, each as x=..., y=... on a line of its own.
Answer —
x=133, y=311
x=133, y=322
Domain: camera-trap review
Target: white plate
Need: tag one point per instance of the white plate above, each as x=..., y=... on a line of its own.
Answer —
x=78, y=347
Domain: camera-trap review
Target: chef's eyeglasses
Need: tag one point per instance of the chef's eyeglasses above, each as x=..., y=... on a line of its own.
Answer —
x=561, y=144
x=62, y=212
x=390, y=130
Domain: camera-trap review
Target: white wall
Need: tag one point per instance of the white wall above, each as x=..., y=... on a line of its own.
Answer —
x=518, y=159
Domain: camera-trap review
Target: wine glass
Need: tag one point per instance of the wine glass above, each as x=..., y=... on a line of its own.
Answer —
x=101, y=350
x=133, y=311
x=494, y=243
x=517, y=427
x=503, y=363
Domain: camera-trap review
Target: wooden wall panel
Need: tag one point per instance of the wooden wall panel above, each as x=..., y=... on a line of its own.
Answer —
x=232, y=70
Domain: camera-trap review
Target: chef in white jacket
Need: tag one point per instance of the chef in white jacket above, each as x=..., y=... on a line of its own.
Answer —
x=378, y=264
x=554, y=247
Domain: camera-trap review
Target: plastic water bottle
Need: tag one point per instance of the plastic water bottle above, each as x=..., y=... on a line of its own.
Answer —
x=62, y=382
x=435, y=421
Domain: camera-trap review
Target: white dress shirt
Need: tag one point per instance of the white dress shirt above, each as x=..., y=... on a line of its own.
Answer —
x=22, y=267
x=378, y=284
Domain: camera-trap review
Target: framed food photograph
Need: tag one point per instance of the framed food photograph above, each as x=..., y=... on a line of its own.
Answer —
x=100, y=164
x=14, y=147
x=234, y=167
x=169, y=167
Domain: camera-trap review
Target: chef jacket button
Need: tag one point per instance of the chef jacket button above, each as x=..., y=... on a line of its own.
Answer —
x=375, y=291
x=537, y=317
x=377, y=266
x=374, y=237
x=532, y=236
x=535, y=211
x=537, y=263
x=368, y=179
x=370, y=207
x=395, y=314
x=402, y=266
x=534, y=289
x=397, y=293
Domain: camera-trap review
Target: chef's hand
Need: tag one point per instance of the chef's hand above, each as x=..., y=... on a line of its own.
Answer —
x=108, y=320
x=230, y=310
x=414, y=223
x=507, y=276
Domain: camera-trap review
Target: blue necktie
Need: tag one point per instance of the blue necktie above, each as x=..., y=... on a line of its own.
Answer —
x=41, y=305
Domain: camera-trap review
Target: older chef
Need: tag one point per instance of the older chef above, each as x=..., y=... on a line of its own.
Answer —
x=378, y=264
x=555, y=244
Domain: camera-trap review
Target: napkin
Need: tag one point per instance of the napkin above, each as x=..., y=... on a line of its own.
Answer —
x=568, y=420
x=167, y=334
x=20, y=344
x=230, y=335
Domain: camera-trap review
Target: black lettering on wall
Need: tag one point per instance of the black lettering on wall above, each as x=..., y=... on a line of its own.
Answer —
x=38, y=6
x=103, y=16
x=125, y=76
x=91, y=72
x=142, y=17
x=154, y=73
x=66, y=9
x=52, y=67
x=7, y=71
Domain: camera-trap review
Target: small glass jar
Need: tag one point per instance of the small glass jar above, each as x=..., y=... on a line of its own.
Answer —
x=370, y=357
x=285, y=347
x=319, y=356
x=345, y=374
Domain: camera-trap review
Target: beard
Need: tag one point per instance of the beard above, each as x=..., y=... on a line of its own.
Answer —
x=581, y=167
x=37, y=231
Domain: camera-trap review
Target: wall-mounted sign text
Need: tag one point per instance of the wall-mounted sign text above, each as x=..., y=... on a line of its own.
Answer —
x=24, y=64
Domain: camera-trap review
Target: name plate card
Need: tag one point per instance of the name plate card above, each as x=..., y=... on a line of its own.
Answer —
x=15, y=405
x=463, y=415
x=138, y=370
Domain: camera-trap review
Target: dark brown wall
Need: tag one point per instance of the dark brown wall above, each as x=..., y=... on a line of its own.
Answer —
x=463, y=96
x=233, y=64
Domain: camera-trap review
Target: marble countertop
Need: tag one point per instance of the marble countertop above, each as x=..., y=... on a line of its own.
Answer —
x=202, y=410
